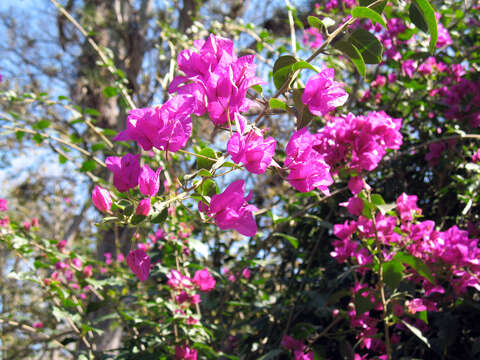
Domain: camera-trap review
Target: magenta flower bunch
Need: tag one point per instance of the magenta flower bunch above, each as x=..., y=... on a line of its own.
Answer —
x=231, y=210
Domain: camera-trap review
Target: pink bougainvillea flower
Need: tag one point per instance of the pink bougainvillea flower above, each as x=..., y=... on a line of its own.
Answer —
x=323, y=94
x=101, y=199
x=231, y=210
x=408, y=67
x=356, y=184
x=88, y=271
x=246, y=273
x=252, y=151
x=290, y=343
x=77, y=263
x=308, y=170
x=434, y=154
x=142, y=126
x=444, y=38
x=476, y=156
x=185, y=353
x=204, y=280
x=3, y=205
x=216, y=77
x=166, y=128
x=177, y=281
x=415, y=305
x=125, y=171
x=300, y=355
x=175, y=123
x=139, y=263
x=149, y=181
x=143, y=207
x=37, y=325
x=312, y=37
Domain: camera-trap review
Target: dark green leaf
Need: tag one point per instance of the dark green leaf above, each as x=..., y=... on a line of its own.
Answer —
x=160, y=217
x=137, y=219
x=291, y=239
x=282, y=69
x=353, y=54
x=368, y=45
x=393, y=273
x=423, y=16
x=362, y=303
x=378, y=8
x=416, y=264
x=203, y=163
x=364, y=12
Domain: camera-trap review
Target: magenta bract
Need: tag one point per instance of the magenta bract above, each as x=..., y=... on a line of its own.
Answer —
x=139, y=263
x=125, y=171
x=101, y=199
x=323, y=94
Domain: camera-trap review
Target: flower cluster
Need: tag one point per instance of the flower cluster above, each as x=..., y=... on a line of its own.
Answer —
x=218, y=79
x=298, y=347
x=231, y=210
x=358, y=142
x=449, y=256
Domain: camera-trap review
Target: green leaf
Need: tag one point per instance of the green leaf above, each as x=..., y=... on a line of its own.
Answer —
x=282, y=69
x=364, y=12
x=92, y=112
x=110, y=91
x=304, y=116
x=19, y=135
x=303, y=65
x=416, y=264
x=362, y=303
x=38, y=138
x=207, y=188
x=204, y=173
x=39, y=264
x=203, y=163
x=137, y=219
x=368, y=45
x=42, y=124
x=416, y=332
x=88, y=165
x=393, y=273
x=378, y=8
x=353, y=54
x=315, y=22
x=277, y=104
x=423, y=16
x=159, y=218
x=97, y=147
x=292, y=239
x=62, y=159
x=377, y=199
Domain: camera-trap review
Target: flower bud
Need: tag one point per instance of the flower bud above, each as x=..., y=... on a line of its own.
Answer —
x=101, y=198
x=143, y=207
